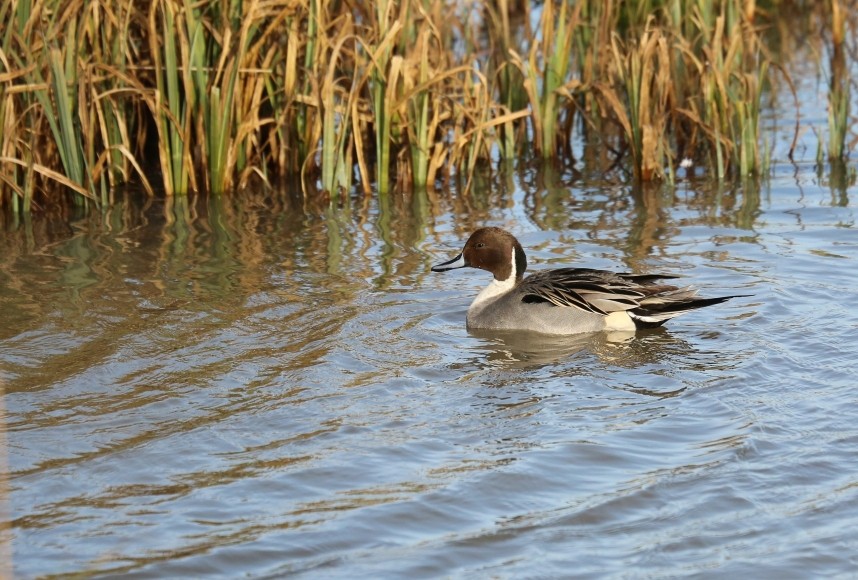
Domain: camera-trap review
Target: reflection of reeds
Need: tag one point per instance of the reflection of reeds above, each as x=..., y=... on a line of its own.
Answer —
x=402, y=93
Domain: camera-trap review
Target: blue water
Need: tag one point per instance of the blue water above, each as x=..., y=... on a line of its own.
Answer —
x=256, y=387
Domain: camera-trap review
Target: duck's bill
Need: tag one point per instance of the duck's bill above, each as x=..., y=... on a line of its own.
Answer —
x=457, y=262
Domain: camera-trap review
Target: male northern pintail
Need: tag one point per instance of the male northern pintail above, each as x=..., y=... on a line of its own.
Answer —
x=566, y=300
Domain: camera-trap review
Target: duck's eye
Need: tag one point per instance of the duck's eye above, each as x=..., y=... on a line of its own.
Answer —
x=480, y=245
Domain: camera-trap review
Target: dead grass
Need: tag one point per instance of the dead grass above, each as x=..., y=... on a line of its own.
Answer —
x=182, y=96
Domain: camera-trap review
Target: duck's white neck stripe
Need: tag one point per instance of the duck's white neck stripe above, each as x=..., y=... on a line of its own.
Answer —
x=495, y=289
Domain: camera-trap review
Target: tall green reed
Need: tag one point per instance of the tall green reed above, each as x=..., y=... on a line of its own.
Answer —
x=58, y=98
x=382, y=87
x=508, y=78
x=337, y=109
x=171, y=102
x=546, y=75
x=839, y=94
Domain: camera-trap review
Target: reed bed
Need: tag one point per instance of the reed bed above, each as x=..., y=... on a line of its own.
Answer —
x=180, y=96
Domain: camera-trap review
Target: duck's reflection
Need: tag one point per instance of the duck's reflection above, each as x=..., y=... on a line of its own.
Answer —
x=530, y=349
x=624, y=349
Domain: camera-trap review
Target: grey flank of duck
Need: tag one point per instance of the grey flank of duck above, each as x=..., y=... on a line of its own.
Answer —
x=565, y=300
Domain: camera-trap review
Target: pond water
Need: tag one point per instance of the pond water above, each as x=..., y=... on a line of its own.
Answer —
x=261, y=387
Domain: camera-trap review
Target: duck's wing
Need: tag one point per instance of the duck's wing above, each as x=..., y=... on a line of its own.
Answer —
x=597, y=291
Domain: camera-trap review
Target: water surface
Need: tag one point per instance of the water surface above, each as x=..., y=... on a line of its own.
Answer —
x=259, y=386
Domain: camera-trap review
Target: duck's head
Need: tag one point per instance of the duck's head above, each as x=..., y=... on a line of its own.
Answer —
x=491, y=249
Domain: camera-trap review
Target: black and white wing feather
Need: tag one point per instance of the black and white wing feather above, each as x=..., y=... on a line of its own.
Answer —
x=648, y=301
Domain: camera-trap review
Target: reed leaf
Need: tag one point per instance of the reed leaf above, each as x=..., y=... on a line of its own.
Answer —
x=335, y=126
x=61, y=118
x=382, y=88
x=839, y=94
x=167, y=108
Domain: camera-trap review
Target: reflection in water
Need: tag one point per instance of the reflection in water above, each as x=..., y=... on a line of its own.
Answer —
x=629, y=349
x=527, y=349
x=841, y=177
x=266, y=385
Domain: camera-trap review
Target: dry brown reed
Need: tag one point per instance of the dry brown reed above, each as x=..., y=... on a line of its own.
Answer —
x=181, y=96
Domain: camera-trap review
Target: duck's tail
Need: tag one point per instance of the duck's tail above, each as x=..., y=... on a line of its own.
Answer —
x=657, y=309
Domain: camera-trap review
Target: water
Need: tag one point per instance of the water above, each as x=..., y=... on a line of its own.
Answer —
x=260, y=387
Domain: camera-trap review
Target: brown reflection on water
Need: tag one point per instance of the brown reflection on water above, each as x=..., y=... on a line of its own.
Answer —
x=206, y=242
x=111, y=275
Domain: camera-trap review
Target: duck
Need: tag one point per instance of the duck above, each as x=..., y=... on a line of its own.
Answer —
x=565, y=301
